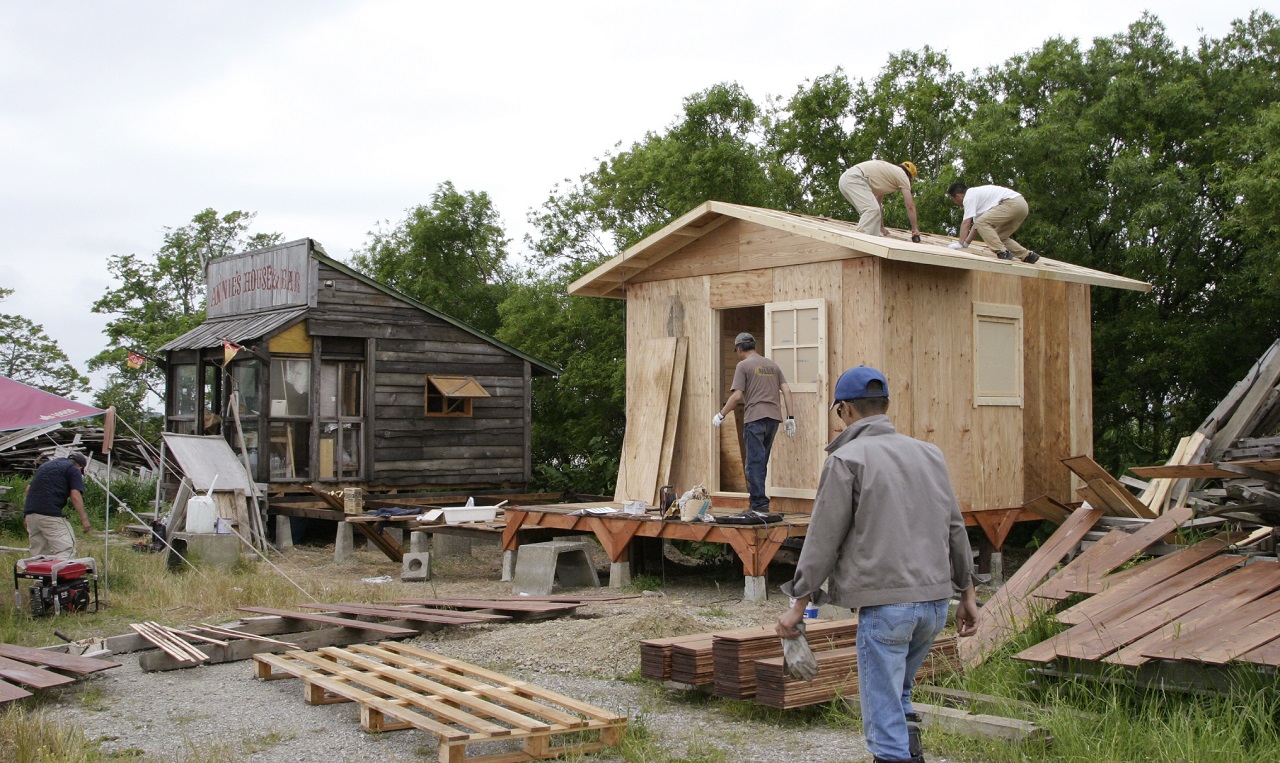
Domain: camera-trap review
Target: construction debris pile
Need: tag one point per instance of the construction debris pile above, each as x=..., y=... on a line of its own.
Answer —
x=1173, y=610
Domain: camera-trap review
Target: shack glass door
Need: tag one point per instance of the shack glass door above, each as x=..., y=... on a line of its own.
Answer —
x=341, y=416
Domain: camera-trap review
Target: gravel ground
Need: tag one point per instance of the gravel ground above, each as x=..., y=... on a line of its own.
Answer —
x=220, y=712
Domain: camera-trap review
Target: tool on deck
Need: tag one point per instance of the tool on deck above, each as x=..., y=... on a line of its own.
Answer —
x=666, y=501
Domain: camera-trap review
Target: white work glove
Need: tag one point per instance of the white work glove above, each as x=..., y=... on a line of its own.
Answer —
x=717, y=419
x=956, y=245
x=797, y=657
x=789, y=426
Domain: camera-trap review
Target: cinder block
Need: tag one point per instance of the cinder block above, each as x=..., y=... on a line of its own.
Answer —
x=540, y=565
x=207, y=548
x=416, y=567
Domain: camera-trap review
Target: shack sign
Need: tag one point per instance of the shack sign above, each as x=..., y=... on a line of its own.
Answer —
x=266, y=279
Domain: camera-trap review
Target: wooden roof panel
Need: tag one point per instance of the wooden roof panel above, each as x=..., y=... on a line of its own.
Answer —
x=610, y=278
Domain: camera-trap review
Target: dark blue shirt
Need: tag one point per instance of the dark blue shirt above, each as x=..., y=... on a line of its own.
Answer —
x=52, y=485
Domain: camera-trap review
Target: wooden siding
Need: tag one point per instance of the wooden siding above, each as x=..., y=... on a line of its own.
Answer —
x=407, y=447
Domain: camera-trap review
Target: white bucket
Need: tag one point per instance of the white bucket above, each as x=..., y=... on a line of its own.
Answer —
x=202, y=515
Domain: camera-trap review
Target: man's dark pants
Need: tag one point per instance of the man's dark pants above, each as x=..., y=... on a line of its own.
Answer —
x=758, y=437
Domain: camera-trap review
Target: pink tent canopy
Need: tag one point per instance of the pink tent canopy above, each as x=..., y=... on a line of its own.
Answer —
x=22, y=406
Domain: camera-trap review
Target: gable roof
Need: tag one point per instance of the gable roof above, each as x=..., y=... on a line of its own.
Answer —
x=610, y=279
x=239, y=328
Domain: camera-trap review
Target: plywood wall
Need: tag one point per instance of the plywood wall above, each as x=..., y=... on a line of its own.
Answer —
x=914, y=322
x=999, y=450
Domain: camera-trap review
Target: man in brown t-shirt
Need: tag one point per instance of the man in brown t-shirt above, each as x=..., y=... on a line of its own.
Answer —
x=865, y=185
x=759, y=382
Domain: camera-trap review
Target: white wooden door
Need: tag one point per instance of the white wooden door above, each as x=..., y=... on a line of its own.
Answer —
x=795, y=338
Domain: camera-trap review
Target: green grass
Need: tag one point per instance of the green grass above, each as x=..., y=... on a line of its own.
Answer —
x=646, y=583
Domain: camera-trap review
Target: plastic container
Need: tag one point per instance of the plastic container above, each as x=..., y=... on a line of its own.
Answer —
x=202, y=514
x=461, y=514
x=811, y=611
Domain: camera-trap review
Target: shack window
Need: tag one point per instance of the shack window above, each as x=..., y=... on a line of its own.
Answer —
x=183, y=408
x=997, y=352
x=452, y=395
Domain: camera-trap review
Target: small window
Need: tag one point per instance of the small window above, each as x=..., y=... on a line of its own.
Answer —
x=997, y=355
x=452, y=395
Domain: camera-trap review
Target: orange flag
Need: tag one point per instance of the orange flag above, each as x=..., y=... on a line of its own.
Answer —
x=229, y=350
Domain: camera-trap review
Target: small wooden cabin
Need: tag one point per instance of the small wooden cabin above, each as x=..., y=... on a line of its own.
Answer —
x=341, y=380
x=988, y=359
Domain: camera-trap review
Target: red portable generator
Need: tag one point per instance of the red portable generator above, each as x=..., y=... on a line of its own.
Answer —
x=58, y=585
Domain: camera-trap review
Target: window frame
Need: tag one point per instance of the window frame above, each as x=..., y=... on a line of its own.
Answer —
x=988, y=314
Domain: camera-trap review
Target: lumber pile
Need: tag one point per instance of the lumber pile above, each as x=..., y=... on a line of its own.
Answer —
x=41, y=669
x=24, y=450
x=837, y=676
x=314, y=626
x=735, y=653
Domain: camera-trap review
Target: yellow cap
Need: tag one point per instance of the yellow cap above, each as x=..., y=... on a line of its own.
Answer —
x=910, y=167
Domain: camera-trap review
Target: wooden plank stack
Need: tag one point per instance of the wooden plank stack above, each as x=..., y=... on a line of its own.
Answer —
x=41, y=669
x=735, y=653
x=402, y=687
x=837, y=676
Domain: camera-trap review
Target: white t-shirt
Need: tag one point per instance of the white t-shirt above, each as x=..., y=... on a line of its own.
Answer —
x=980, y=200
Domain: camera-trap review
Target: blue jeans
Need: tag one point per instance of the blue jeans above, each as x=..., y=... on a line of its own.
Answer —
x=758, y=437
x=893, y=640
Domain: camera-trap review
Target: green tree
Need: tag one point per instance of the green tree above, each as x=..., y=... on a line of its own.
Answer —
x=450, y=254
x=28, y=355
x=912, y=110
x=160, y=297
x=1130, y=154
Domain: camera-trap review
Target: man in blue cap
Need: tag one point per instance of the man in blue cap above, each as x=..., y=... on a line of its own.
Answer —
x=888, y=539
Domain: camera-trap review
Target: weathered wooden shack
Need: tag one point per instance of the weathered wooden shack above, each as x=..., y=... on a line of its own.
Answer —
x=341, y=380
x=988, y=359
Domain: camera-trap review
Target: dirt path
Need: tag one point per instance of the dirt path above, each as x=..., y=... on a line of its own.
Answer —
x=221, y=712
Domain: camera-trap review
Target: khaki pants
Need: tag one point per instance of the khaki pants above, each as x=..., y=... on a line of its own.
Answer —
x=855, y=188
x=998, y=224
x=50, y=536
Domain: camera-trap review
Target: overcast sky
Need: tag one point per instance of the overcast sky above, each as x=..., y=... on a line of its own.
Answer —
x=325, y=117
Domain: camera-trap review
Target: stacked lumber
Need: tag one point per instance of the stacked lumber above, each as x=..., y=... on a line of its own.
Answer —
x=734, y=653
x=837, y=676
x=41, y=669
x=655, y=656
x=691, y=661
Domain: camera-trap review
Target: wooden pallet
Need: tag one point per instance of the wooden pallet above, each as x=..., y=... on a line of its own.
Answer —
x=399, y=686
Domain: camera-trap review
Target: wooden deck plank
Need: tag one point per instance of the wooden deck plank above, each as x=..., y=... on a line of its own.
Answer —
x=72, y=663
x=1010, y=609
x=1092, y=565
x=1214, y=636
x=10, y=693
x=390, y=630
x=1121, y=623
x=1117, y=499
x=448, y=617
x=30, y=675
x=1151, y=573
x=1189, y=612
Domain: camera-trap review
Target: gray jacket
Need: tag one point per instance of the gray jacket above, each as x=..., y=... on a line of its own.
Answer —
x=886, y=526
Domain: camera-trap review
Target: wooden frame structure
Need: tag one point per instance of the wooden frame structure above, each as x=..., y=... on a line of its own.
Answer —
x=334, y=371
x=908, y=309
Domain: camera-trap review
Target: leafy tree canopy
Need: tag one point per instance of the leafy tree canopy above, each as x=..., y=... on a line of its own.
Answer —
x=28, y=355
x=450, y=254
x=160, y=297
